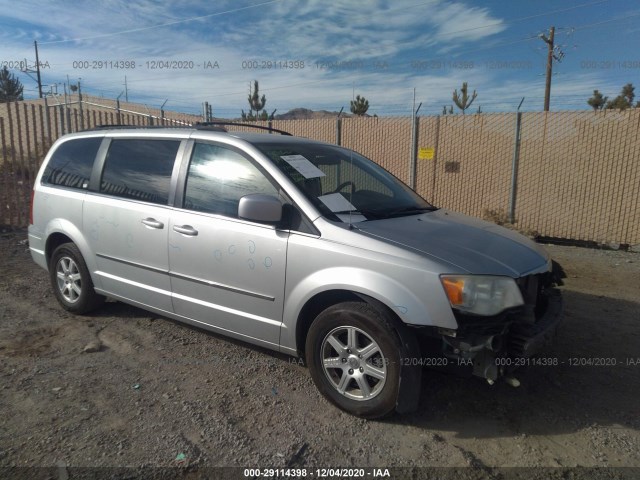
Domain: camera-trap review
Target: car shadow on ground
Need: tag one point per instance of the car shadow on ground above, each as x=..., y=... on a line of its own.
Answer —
x=592, y=380
x=114, y=308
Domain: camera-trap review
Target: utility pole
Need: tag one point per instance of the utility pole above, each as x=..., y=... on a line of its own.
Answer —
x=67, y=114
x=126, y=92
x=35, y=43
x=555, y=53
x=118, y=109
x=547, y=88
x=80, y=105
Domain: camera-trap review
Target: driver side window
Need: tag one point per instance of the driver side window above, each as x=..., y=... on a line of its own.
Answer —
x=218, y=177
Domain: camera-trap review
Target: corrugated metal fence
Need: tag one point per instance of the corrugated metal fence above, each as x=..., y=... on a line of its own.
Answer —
x=577, y=174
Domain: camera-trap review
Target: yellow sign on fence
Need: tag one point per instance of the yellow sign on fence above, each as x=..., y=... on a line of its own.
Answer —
x=426, y=153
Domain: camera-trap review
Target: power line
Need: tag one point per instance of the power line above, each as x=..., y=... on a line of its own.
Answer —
x=583, y=27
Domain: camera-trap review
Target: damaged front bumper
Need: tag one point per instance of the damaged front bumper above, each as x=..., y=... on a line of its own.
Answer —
x=492, y=347
x=526, y=339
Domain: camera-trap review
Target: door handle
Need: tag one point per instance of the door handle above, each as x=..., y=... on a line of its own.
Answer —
x=153, y=223
x=185, y=230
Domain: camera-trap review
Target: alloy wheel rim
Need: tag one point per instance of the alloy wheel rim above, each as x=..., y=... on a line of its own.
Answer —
x=69, y=279
x=353, y=363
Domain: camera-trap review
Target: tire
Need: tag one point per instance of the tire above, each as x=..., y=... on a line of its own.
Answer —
x=353, y=353
x=71, y=281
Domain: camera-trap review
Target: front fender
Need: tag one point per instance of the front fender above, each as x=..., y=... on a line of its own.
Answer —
x=430, y=308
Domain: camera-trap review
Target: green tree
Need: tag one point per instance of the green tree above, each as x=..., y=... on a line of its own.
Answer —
x=256, y=103
x=618, y=103
x=462, y=100
x=597, y=101
x=359, y=106
x=624, y=100
x=10, y=87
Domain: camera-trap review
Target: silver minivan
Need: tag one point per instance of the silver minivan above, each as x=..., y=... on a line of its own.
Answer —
x=299, y=246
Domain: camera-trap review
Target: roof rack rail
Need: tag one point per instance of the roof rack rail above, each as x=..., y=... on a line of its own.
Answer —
x=117, y=126
x=217, y=126
x=205, y=125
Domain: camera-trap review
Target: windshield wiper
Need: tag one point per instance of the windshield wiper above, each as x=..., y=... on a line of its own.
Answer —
x=410, y=210
x=375, y=214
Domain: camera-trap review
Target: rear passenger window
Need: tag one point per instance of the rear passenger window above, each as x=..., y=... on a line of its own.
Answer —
x=219, y=177
x=139, y=169
x=71, y=164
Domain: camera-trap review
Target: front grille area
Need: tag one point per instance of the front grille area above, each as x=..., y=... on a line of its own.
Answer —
x=475, y=325
x=525, y=338
x=535, y=291
x=523, y=328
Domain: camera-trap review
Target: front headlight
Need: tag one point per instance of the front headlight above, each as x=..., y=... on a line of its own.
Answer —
x=481, y=294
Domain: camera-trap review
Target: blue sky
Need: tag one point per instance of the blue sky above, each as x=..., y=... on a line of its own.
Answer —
x=317, y=54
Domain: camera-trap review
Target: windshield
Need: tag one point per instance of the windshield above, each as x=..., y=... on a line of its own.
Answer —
x=342, y=184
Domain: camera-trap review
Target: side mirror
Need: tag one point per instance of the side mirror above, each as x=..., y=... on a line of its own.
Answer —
x=257, y=207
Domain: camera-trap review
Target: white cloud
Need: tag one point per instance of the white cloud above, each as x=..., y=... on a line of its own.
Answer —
x=391, y=33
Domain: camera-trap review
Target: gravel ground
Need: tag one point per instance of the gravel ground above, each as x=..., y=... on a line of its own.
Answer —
x=125, y=388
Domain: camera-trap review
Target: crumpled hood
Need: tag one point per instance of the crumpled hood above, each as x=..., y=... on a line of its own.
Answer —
x=468, y=243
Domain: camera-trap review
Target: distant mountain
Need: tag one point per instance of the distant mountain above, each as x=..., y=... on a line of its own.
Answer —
x=305, y=113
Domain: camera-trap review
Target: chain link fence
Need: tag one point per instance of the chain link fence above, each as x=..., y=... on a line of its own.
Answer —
x=563, y=175
x=580, y=175
x=470, y=170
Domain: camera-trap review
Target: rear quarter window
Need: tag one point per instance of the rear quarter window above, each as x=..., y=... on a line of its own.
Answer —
x=71, y=163
x=139, y=169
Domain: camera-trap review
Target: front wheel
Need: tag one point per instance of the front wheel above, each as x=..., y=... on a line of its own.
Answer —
x=71, y=281
x=353, y=353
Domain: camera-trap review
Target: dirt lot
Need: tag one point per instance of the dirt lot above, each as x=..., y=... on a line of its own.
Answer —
x=161, y=394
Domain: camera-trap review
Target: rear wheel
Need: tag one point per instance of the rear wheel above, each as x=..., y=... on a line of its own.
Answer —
x=71, y=281
x=353, y=353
